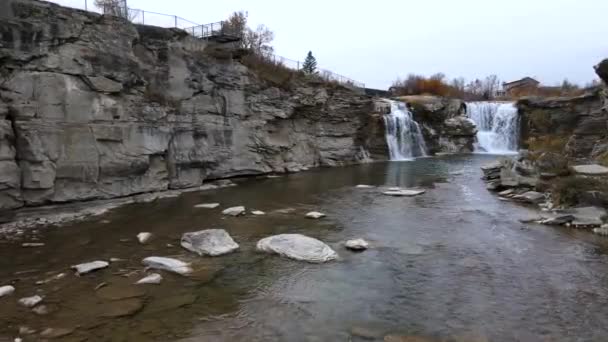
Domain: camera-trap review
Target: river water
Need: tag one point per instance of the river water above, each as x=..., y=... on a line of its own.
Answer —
x=453, y=264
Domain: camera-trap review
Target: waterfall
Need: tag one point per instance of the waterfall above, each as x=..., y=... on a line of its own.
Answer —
x=403, y=135
x=497, y=124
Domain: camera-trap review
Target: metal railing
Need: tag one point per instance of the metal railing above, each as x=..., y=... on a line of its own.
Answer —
x=207, y=31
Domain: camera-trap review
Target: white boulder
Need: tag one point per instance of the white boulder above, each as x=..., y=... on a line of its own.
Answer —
x=6, y=290
x=364, y=186
x=297, y=247
x=153, y=279
x=144, y=237
x=207, y=206
x=30, y=302
x=315, y=215
x=356, y=245
x=258, y=213
x=90, y=267
x=211, y=242
x=168, y=264
x=234, y=211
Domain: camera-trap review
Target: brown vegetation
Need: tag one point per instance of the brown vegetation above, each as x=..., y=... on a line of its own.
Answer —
x=439, y=85
x=547, y=143
x=567, y=191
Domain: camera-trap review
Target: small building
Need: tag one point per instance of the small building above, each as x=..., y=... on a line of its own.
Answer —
x=526, y=85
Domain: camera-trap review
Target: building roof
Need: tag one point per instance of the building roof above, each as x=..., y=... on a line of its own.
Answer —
x=520, y=81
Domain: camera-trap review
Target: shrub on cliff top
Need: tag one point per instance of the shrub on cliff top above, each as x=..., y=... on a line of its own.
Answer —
x=568, y=191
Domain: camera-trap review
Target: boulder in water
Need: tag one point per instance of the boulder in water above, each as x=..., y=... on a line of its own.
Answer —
x=364, y=186
x=530, y=197
x=6, y=290
x=404, y=192
x=144, y=237
x=30, y=302
x=356, y=245
x=153, y=279
x=210, y=242
x=168, y=264
x=315, y=215
x=90, y=267
x=234, y=211
x=258, y=213
x=297, y=247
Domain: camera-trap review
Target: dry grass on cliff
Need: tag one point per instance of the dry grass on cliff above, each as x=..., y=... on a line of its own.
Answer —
x=567, y=191
x=271, y=71
x=547, y=143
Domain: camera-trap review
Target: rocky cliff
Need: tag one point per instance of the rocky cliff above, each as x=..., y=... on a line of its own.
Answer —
x=94, y=107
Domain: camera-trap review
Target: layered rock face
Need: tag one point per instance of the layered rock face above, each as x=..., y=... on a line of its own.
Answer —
x=93, y=107
x=445, y=126
x=575, y=126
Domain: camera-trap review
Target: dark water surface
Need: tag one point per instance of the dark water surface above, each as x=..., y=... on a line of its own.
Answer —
x=453, y=264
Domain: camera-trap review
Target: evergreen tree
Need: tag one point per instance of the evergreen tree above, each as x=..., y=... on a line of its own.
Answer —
x=310, y=64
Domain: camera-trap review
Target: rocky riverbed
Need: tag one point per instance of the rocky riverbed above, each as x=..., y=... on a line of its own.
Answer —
x=464, y=275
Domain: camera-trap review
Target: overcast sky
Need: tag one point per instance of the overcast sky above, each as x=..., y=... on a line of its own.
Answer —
x=377, y=41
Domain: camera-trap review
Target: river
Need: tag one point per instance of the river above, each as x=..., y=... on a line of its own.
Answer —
x=453, y=264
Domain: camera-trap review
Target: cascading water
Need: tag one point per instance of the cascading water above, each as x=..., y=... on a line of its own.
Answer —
x=497, y=124
x=403, y=135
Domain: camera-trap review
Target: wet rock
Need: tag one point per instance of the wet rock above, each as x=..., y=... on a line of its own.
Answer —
x=364, y=186
x=41, y=310
x=285, y=211
x=168, y=264
x=315, y=215
x=590, y=170
x=258, y=213
x=366, y=333
x=210, y=242
x=152, y=279
x=404, y=193
x=558, y=220
x=32, y=244
x=531, y=219
x=207, y=206
x=30, y=302
x=6, y=290
x=26, y=331
x=122, y=308
x=506, y=192
x=144, y=237
x=119, y=292
x=603, y=231
x=234, y=211
x=170, y=303
x=88, y=267
x=530, y=197
x=297, y=247
x=56, y=332
x=357, y=245
x=587, y=217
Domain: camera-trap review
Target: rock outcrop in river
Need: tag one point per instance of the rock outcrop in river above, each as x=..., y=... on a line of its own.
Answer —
x=94, y=107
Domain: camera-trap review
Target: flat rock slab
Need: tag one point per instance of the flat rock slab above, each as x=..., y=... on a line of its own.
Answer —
x=118, y=292
x=170, y=303
x=90, y=267
x=297, y=247
x=210, y=242
x=234, y=211
x=590, y=170
x=6, y=290
x=122, y=308
x=603, y=231
x=587, y=217
x=207, y=206
x=152, y=279
x=530, y=197
x=168, y=264
x=404, y=193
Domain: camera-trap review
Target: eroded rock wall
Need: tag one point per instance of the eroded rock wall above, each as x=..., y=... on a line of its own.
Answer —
x=94, y=107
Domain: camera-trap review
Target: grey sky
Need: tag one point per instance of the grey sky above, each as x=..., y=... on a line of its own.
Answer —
x=376, y=41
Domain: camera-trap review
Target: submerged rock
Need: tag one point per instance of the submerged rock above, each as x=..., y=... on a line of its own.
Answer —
x=30, y=302
x=356, y=245
x=211, y=242
x=297, y=247
x=315, y=215
x=119, y=292
x=90, y=267
x=404, y=193
x=6, y=290
x=121, y=308
x=168, y=264
x=56, y=332
x=153, y=279
x=207, y=206
x=234, y=211
x=144, y=237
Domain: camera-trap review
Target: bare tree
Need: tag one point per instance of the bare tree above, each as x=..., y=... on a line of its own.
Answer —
x=237, y=25
x=259, y=40
x=490, y=86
